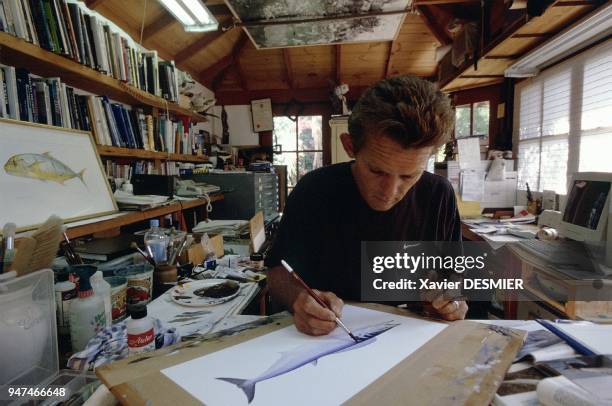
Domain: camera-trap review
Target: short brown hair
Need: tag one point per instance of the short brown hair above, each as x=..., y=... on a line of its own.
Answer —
x=410, y=110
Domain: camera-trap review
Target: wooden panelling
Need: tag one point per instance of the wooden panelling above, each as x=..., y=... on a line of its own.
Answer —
x=551, y=22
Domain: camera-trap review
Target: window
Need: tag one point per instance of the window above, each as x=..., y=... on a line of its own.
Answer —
x=565, y=121
x=472, y=119
x=301, y=142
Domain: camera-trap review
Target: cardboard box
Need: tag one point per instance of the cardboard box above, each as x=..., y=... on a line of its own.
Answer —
x=446, y=370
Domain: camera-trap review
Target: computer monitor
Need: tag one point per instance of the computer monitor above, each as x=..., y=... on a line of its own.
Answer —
x=585, y=216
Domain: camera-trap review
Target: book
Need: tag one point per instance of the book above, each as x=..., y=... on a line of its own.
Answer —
x=24, y=94
x=10, y=81
x=44, y=101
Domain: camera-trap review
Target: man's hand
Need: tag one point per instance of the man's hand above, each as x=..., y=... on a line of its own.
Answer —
x=449, y=309
x=312, y=318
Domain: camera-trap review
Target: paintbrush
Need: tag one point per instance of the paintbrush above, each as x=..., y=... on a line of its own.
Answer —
x=48, y=237
x=317, y=298
x=177, y=252
x=148, y=258
x=71, y=255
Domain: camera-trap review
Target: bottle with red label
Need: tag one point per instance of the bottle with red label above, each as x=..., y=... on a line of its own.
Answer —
x=141, y=336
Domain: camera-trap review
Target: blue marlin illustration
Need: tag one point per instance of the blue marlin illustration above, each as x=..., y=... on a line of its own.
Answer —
x=41, y=166
x=310, y=353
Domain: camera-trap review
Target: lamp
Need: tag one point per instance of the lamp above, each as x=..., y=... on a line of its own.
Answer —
x=194, y=16
x=588, y=31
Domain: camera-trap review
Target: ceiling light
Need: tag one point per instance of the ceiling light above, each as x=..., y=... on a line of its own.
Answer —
x=192, y=14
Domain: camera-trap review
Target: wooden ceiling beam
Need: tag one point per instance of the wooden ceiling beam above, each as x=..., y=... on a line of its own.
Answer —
x=214, y=74
x=430, y=21
x=157, y=26
x=301, y=95
x=393, y=49
x=236, y=52
x=208, y=75
x=338, y=67
x=288, y=68
x=93, y=4
x=196, y=46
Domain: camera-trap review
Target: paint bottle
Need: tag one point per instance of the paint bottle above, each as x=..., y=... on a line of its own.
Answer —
x=103, y=289
x=65, y=293
x=87, y=316
x=141, y=336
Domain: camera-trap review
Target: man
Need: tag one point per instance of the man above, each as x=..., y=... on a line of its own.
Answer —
x=383, y=195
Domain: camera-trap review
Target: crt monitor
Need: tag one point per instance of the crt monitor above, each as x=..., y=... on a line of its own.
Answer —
x=586, y=208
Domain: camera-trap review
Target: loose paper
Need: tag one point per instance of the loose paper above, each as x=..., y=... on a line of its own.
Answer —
x=472, y=186
x=469, y=153
x=286, y=366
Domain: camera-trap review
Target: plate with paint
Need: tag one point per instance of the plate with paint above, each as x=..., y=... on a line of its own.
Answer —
x=206, y=292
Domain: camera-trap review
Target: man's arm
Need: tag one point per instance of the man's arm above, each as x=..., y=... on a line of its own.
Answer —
x=309, y=316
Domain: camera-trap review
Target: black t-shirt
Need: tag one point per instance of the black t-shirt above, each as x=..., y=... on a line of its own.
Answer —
x=325, y=220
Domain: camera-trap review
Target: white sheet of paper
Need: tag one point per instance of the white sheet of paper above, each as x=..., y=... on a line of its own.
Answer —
x=334, y=379
x=596, y=336
x=469, y=153
x=472, y=186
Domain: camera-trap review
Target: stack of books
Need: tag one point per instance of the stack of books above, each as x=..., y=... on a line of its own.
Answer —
x=68, y=28
x=124, y=169
x=27, y=97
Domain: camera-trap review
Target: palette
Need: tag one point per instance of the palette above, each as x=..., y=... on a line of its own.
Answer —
x=199, y=293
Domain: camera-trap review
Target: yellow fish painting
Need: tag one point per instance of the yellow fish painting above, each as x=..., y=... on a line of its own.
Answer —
x=41, y=166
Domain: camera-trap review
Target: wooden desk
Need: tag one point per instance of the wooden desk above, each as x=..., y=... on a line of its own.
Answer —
x=468, y=235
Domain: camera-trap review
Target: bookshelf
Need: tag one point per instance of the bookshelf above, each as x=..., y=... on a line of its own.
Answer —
x=131, y=217
x=133, y=153
x=18, y=52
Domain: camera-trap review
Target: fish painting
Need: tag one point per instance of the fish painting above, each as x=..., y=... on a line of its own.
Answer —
x=42, y=167
x=311, y=353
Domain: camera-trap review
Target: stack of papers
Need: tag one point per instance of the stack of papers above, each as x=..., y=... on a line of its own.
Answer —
x=227, y=228
x=127, y=200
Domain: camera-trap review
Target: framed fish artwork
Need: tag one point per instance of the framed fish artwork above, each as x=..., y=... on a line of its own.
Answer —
x=47, y=170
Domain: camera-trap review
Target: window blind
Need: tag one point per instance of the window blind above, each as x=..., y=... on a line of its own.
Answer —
x=564, y=121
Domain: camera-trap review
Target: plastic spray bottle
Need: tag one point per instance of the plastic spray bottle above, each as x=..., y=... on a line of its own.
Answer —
x=87, y=315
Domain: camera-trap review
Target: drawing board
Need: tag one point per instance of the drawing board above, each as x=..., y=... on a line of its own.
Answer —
x=288, y=367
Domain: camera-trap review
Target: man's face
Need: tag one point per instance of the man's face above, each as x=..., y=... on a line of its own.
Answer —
x=385, y=171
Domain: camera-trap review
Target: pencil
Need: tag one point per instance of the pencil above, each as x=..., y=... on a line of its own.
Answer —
x=317, y=298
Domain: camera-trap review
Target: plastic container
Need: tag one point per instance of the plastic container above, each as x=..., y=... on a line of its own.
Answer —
x=28, y=338
x=65, y=293
x=87, y=313
x=118, y=297
x=140, y=332
x=103, y=289
x=139, y=283
x=157, y=240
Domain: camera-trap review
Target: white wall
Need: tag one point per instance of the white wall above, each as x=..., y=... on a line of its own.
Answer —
x=239, y=124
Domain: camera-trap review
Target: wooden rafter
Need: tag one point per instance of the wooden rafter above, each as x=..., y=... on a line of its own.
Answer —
x=196, y=46
x=338, y=68
x=93, y=4
x=288, y=67
x=236, y=52
x=158, y=25
x=393, y=49
x=209, y=74
x=213, y=75
x=436, y=30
